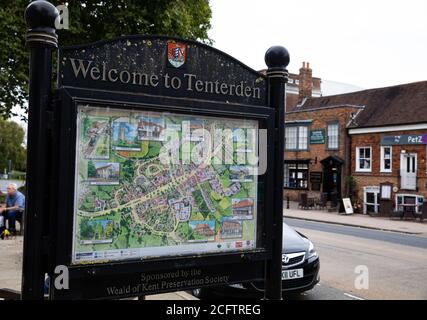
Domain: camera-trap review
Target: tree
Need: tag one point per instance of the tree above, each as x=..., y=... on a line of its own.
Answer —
x=11, y=145
x=92, y=20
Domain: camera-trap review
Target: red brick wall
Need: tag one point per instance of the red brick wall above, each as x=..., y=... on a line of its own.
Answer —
x=376, y=177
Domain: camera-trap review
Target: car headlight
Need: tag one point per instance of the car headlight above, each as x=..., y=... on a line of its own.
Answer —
x=311, y=251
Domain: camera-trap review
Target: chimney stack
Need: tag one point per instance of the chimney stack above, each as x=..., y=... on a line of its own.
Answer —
x=305, y=86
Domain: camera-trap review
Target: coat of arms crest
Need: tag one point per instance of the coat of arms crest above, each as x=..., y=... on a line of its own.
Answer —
x=176, y=53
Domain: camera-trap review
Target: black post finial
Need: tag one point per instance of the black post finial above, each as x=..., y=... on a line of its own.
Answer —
x=277, y=59
x=40, y=17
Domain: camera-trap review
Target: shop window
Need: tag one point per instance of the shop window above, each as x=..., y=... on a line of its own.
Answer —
x=408, y=199
x=364, y=159
x=296, y=175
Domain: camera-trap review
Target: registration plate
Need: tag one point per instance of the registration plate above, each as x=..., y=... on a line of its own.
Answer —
x=292, y=274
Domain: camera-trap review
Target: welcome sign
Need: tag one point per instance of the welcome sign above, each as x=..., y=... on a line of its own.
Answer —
x=142, y=214
x=160, y=66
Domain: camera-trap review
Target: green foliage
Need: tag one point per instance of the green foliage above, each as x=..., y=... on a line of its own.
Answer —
x=154, y=149
x=127, y=171
x=22, y=189
x=351, y=182
x=91, y=170
x=11, y=140
x=89, y=21
x=86, y=230
x=200, y=202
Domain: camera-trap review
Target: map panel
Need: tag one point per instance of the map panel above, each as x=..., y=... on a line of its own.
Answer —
x=151, y=184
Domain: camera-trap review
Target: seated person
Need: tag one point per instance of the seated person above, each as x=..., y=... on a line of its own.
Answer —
x=15, y=204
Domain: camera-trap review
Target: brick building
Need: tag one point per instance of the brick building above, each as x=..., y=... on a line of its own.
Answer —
x=317, y=154
x=389, y=145
x=375, y=136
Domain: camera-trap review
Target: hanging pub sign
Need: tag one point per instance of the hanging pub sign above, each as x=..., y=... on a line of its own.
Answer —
x=317, y=136
x=404, y=139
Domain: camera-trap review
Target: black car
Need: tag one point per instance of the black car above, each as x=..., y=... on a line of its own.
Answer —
x=300, y=271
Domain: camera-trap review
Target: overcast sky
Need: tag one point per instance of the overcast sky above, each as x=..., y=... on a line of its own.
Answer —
x=367, y=43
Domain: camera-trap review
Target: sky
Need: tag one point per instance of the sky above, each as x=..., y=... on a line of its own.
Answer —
x=366, y=43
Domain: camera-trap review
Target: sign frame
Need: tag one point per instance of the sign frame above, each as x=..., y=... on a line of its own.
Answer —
x=51, y=156
x=239, y=265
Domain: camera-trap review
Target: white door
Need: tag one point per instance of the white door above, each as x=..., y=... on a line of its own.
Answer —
x=408, y=171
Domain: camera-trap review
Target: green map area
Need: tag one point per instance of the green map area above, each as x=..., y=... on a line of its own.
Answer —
x=128, y=198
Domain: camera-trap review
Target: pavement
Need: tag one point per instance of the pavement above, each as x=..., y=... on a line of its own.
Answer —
x=11, y=268
x=356, y=220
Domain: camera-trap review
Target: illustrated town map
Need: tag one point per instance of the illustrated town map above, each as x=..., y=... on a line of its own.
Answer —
x=131, y=204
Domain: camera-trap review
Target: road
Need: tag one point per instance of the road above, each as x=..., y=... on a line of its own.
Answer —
x=396, y=263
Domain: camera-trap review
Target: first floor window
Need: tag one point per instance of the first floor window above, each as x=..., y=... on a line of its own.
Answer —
x=386, y=159
x=296, y=175
x=333, y=136
x=364, y=159
x=296, y=138
x=291, y=138
x=302, y=138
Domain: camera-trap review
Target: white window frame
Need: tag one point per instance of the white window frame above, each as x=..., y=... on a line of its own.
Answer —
x=376, y=191
x=330, y=125
x=302, y=138
x=358, y=169
x=403, y=195
x=383, y=169
x=288, y=140
x=297, y=136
